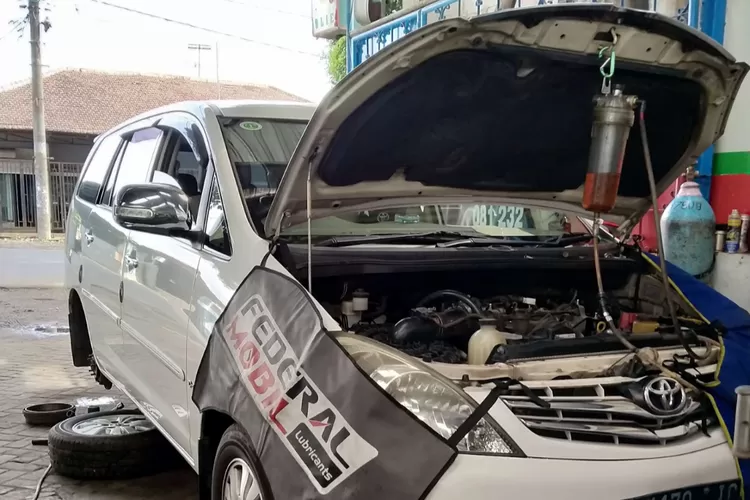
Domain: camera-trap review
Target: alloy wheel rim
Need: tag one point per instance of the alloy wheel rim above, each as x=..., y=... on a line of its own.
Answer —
x=113, y=425
x=239, y=482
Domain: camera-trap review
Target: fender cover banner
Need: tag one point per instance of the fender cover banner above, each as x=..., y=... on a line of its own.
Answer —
x=320, y=427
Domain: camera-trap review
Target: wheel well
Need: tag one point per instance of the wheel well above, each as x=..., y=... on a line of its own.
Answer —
x=80, y=342
x=213, y=425
x=74, y=302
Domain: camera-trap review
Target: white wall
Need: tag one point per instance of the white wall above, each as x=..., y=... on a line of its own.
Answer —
x=737, y=41
x=731, y=276
x=68, y=153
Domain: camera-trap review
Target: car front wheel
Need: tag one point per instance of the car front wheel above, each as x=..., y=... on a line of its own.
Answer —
x=237, y=473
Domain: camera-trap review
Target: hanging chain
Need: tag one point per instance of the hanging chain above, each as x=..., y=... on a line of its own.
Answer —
x=607, y=69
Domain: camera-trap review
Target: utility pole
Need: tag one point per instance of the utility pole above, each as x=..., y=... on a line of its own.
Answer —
x=41, y=167
x=199, y=47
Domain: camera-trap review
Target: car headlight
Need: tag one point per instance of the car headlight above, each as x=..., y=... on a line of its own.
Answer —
x=429, y=396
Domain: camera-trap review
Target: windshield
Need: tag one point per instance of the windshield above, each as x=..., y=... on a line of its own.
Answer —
x=260, y=150
x=469, y=219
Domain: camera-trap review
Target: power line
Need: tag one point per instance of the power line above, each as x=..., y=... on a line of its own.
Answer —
x=286, y=12
x=16, y=26
x=208, y=30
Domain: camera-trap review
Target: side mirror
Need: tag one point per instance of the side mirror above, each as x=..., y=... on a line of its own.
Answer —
x=153, y=208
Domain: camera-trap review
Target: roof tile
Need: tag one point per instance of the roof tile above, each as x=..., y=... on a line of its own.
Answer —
x=91, y=102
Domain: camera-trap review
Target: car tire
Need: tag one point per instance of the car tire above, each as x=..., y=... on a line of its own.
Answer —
x=235, y=456
x=48, y=414
x=108, y=445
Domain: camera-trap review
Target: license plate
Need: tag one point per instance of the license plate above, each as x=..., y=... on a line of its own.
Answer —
x=727, y=490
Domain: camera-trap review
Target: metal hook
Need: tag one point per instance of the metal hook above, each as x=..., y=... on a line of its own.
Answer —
x=614, y=37
x=607, y=69
x=610, y=61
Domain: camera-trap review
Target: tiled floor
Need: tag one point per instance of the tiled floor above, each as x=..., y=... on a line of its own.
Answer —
x=35, y=368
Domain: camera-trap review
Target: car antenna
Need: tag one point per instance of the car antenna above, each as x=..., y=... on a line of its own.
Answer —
x=309, y=219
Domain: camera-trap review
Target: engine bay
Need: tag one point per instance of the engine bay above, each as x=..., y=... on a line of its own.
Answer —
x=483, y=317
x=440, y=325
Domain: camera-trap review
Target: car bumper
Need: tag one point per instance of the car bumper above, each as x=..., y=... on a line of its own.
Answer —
x=484, y=478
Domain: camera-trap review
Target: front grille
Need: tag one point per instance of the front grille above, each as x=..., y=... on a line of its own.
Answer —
x=600, y=413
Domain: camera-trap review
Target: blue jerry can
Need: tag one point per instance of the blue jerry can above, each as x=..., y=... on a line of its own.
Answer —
x=688, y=226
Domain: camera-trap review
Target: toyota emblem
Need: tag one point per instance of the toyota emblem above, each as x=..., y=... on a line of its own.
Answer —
x=665, y=396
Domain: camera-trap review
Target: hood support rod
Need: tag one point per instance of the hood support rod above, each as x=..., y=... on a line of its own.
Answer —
x=309, y=223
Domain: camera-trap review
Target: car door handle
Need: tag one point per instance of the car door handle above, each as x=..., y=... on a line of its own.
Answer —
x=131, y=263
x=89, y=237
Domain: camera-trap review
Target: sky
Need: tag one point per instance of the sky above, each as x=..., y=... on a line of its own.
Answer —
x=269, y=41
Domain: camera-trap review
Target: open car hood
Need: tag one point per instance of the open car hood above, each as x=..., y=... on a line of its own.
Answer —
x=500, y=107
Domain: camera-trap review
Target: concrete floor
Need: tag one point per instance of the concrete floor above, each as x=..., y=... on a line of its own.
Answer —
x=35, y=367
x=31, y=264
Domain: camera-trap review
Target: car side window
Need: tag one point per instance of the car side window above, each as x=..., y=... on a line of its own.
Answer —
x=217, y=230
x=96, y=172
x=179, y=166
x=135, y=162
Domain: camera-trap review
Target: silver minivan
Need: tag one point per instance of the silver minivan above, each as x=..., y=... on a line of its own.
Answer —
x=393, y=296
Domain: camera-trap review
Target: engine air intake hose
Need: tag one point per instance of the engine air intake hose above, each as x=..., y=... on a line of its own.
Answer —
x=461, y=297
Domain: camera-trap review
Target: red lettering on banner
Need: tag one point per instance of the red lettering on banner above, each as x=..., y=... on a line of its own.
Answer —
x=261, y=379
x=249, y=355
x=269, y=400
x=238, y=337
x=274, y=413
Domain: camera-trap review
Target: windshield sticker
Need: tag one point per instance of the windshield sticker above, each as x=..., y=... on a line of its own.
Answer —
x=493, y=215
x=406, y=219
x=314, y=432
x=251, y=126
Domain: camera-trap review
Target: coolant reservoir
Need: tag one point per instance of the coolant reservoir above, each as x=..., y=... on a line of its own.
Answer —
x=483, y=341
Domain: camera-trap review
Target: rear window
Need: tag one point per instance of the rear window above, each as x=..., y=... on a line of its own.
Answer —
x=93, y=176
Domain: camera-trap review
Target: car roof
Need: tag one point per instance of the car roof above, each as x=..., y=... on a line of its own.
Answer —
x=280, y=110
x=265, y=109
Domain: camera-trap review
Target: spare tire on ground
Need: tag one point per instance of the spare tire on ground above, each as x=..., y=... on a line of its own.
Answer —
x=109, y=445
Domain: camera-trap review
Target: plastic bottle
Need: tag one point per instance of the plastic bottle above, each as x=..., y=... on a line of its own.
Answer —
x=733, y=232
x=483, y=341
x=745, y=218
x=688, y=226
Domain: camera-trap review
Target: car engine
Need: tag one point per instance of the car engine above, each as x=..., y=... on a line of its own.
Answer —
x=441, y=325
x=481, y=316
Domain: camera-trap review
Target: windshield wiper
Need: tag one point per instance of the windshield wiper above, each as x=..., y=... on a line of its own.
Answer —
x=448, y=239
x=560, y=241
x=426, y=237
x=567, y=239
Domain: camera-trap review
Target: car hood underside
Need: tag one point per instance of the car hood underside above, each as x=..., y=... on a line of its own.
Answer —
x=500, y=106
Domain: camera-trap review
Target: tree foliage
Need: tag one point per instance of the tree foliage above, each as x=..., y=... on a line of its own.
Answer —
x=337, y=60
